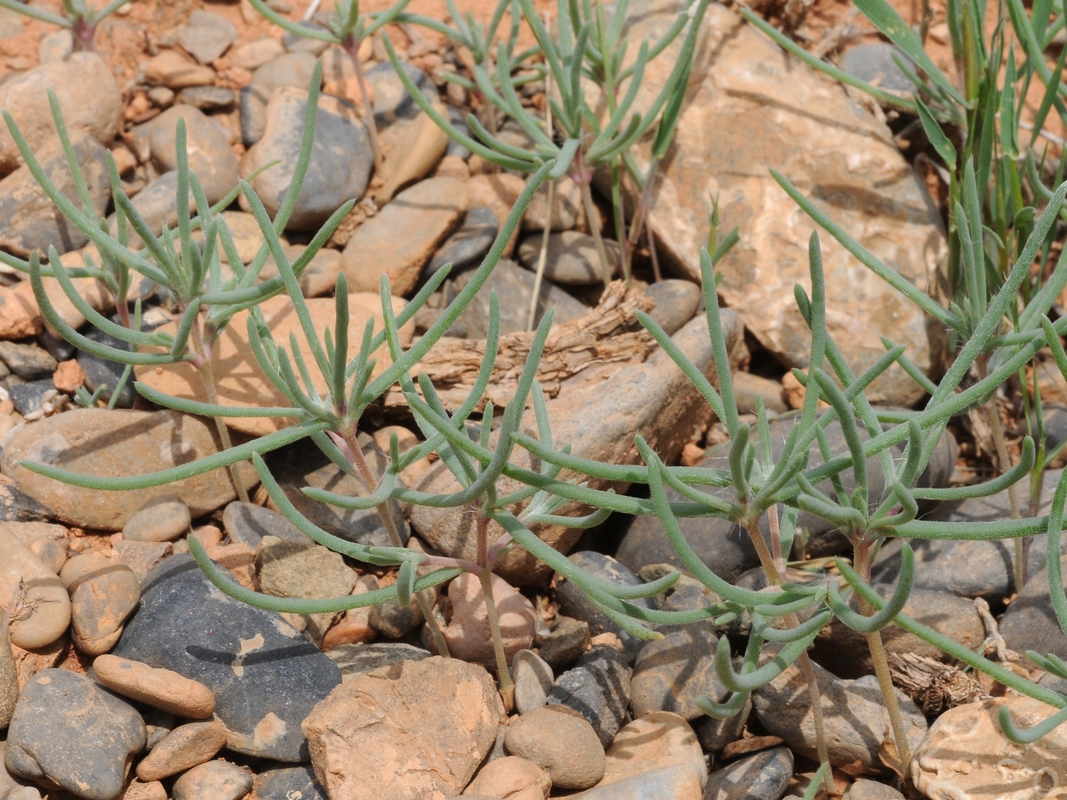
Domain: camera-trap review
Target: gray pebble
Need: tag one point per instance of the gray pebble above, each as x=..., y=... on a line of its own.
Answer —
x=533, y=680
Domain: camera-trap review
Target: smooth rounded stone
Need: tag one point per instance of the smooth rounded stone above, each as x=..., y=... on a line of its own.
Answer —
x=672, y=672
x=264, y=675
x=560, y=741
x=844, y=651
x=513, y=286
x=511, y=777
x=208, y=98
x=247, y=523
x=183, y=748
x=854, y=715
x=797, y=123
x=95, y=441
x=175, y=71
x=676, y=302
x=574, y=602
x=30, y=397
x=401, y=239
x=467, y=246
x=762, y=776
x=163, y=689
x=871, y=790
x=394, y=621
x=206, y=36
x=25, y=97
x=571, y=259
x=661, y=740
x=413, y=729
x=748, y=387
x=1030, y=622
x=294, y=43
x=287, y=69
x=44, y=595
x=391, y=99
x=355, y=659
x=103, y=594
x=30, y=221
x=340, y=164
x=459, y=121
x=289, y=783
x=162, y=519
x=467, y=634
x=533, y=681
x=598, y=688
x=567, y=212
x=208, y=147
x=28, y=361
x=875, y=62
x=55, y=46
x=215, y=780
x=46, y=541
x=564, y=643
x=88, y=759
x=253, y=55
x=965, y=754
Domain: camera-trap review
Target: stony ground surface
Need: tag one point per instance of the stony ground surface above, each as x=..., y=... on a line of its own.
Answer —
x=125, y=674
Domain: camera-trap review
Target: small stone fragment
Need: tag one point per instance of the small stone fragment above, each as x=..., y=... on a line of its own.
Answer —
x=160, y=688
x=68, y=377
x=174, y=71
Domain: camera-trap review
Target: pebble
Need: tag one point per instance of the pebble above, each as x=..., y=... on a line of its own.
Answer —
x=426, y=213
x=965, y=754
x=206, y=36
x=467, y=246
x=340, y=164
x=468, y=635
x=55, y=46
x=665, y=783
x=571, y=258
x=45, y=597
x=565, y=642
x=498, y=193
x=162, y=519
x=853, y=712
x=513, y=778
x=872, y=790
x=30, y=221
x=672, y=672
x=391, y=99
x=417, y=728
x=874, y=62
x=676, y=302
x=355, y=659
x=762, y=776
x=1030, y=621
x=68, y=376
x=215, y=780
x=412, y=149
x=30, y=397
x=82, y=75
x=247, y=523
x=660, y=740
x=567, y=213
x=287, y=69
x=46, y=541
x=598, y=688
x=104, y=372
x=394, y=621
x=163, y=689
x=89, y=759
x=560, y=741
x=110, y=443
x=183, y=748
x=103, y=594
x=253, y=55
x=354, y=627
x=137, y=790
x=173, y=70
x=208, y=98
x=289, y=783
x=236, y=651
x=533, y=681
x=208, y=145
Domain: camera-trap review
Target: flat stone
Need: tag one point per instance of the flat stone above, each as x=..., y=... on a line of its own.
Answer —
x=792, y=123
x=55, y=46
x=561, y=742
x=141, y=557
x=162, y=519
x=340, y=163
x=665, y=783
x=356, y=659
x=248, y=523
x=676, y=303
x=287, y=69
x=183, y=748
x=103, y=594
x=417, y=728
x=598, y=688
x=468, y=245
x=762, y=776
x=468, y=634
x=872, y=790
x=173, y=70
x=206, y=36
x=45, y=597
x=254, y=54
x=209, y=151
x=400, y=240
x=391, y=99
x=567, y=211
x=83, y=75
x=565, y=642
x=497, y=192
x=160, y=688
x=208, y=98
x=30, y=221
x=672, y=672
x=533, y=681
x=660, y=740
x=46, y=541
x=89, y=759
x=112, y=444
x=875, y=62
x=571, y=258
x=264, y=675
x=215, y=780
x=1030, y=621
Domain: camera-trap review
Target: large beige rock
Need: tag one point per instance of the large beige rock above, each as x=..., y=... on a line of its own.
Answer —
x=89, y=100
x=102, y=443
x=750, y=108
x=416, y=730
x=965, y=755
x=40, y=607
x=598, y=415
x=238, y=377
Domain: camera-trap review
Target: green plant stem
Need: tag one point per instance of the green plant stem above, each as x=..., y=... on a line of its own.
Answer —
x=584, y=179
x=370, y=481
x=351, y=46
x=881, y=664
x=485, y=576
x=542, y=258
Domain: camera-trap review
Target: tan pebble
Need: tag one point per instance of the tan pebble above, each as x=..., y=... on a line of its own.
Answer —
x=161, y=519
x=137, y=790
x=183, y=748
x=513, y=778
x=209, y=536
x=560, y=741
x=68, y=376
x=44, y=598
x=215, y=780
x=452, y=167
x=238, y=559
x=103, y=594
x=159, y=688
x=176, y=72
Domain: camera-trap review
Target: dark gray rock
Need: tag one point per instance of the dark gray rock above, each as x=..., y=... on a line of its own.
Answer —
x=208, y=98
x=59, y=349
x=459, y=121
x=340, y=164
x=355, y=659
x=391, y=99
x=571, y=258
x=574, y=602
x=762, y=776
x=672, y=672
x=27, y=361
x=104, y=372
x=677, y=302
x=288, y=69
x=265, y=676
x=69, y=733
x=598, y=688
x=468, y=245
x=247, y=523
x=1030, y=621
x=393, y=621
x=288, y=783
x=873, y=62
x=206, y=36
x=29, y=397
x=563, y=645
